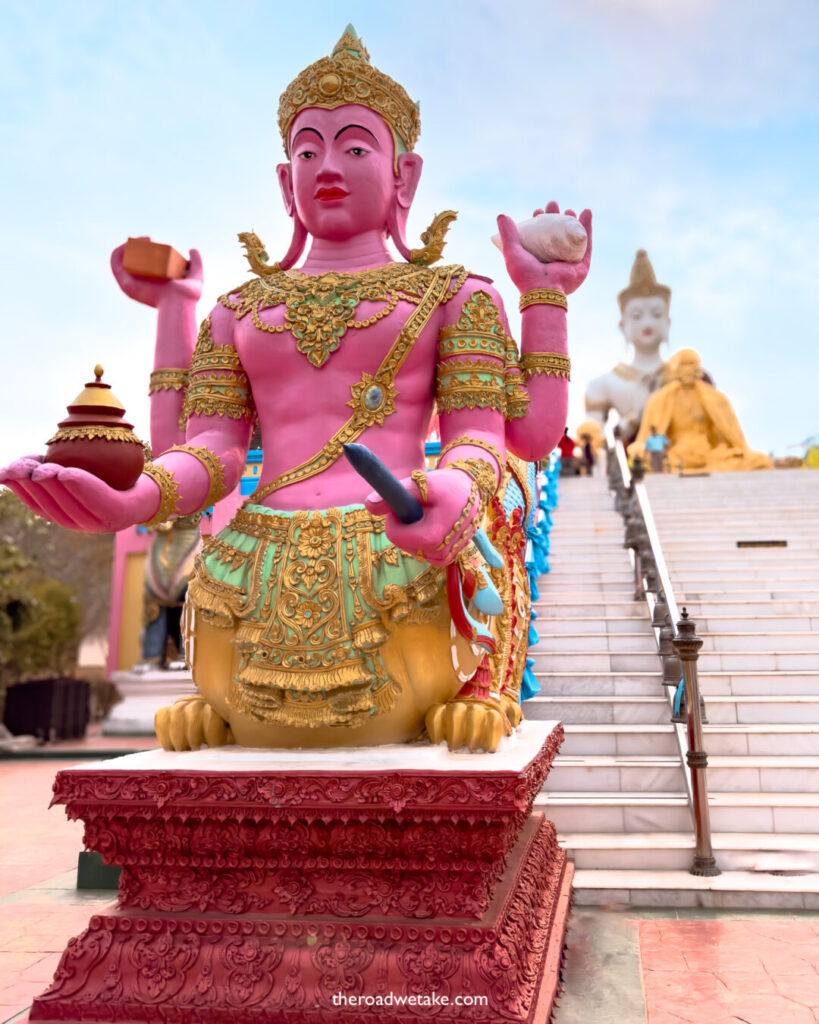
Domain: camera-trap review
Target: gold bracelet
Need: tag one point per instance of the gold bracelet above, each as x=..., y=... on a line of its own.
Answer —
x=168, y=491
x=464, y=439
x=419, y=477
x=484, y=476
x=474, y=495
x=213, y=464
x=553, y=364
x=173, y=378
x=543, y=297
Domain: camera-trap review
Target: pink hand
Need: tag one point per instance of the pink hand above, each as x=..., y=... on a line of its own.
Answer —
x=433, y=538
x=155, y=292
x=78, y=500
x=528, y=272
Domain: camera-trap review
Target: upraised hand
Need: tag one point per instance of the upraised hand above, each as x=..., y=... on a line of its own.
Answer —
x=156, y=291
x=526, y=270
x=76, y=499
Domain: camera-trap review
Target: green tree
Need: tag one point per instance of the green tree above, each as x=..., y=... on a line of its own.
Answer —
x=81, y=561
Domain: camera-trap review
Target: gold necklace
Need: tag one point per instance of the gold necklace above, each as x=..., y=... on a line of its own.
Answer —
x=321, y=308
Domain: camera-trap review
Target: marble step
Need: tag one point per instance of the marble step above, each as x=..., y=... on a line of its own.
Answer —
x=612, y=643
x=615, y=812
x=555, y=684
x=730, y=890
x=752, y=660
x=551, y=625
x=731, y=608
x=793, y=738
x=735, y=710
x=783, y=685
x=597, y=709
x=642, y=811
x=765, y=738
x=589, y=662
x=776, y=641
x=791, y=773
x=764, y=812
x=656, y=740
x=741, y=595
x=674, y=851
x=778, y=709
x=771, y=625
x=550, y=606
x=614, y=774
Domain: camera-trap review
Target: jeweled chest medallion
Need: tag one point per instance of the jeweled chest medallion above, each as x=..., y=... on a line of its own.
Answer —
x=373, y=397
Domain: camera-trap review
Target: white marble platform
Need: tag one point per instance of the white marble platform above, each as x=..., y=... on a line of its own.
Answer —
x=513, y=755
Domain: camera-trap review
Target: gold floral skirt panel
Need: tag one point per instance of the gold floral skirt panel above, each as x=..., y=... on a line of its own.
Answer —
x=311, y=598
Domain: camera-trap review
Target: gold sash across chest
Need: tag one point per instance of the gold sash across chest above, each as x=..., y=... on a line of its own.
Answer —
x=374, y=395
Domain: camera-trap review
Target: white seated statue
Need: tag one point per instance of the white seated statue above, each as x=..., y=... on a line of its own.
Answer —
x=644, y=320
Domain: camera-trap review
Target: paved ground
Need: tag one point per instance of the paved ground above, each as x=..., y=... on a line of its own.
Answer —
x=623, y=966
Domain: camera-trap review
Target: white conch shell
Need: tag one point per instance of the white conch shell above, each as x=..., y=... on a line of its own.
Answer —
x=551, y=237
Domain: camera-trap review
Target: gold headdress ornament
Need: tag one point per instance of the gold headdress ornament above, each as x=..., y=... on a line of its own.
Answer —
x=348, y=77
x=643, y=283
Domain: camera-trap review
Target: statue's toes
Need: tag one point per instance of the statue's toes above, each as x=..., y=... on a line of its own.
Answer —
x=188, y=723
x=434, y=722
x=456, y=722
x=495, y=726
x=512, y=709
x=475, y=725
x=215, y=730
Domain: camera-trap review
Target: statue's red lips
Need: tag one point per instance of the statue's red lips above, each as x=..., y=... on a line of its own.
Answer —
x=648, y=331
x=331, y=193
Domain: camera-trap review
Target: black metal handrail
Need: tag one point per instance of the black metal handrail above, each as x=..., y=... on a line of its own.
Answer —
x=678, y=650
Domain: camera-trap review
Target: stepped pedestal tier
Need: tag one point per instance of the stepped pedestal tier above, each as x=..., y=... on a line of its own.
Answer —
x=143, y=694
x=384, y=884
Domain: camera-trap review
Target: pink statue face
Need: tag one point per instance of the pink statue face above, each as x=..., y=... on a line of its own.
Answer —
x=341, y=160
x=646, y=323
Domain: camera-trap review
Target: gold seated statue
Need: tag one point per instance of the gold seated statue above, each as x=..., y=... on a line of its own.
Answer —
x=699, y=422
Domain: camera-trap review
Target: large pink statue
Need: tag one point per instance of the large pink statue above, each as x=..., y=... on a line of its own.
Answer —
x=317, y=618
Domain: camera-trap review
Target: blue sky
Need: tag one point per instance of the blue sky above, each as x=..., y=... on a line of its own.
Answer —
x=690, y=127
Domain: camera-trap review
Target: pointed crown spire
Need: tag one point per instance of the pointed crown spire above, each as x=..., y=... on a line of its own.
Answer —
x=347, y=76
x=643, y=282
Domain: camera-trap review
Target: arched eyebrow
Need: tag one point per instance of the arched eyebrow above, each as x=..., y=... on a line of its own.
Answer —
x=298, y=133
x=361, y=126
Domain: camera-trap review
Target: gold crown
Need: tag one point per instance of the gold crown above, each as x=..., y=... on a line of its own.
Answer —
x=348, y=77
x=643, y=283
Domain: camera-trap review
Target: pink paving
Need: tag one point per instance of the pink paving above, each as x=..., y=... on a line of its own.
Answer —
x=758, y=971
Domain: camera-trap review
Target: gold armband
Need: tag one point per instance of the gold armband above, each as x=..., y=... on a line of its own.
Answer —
x=168, y=491
x=543, y=297
x=172, y=378
x=214, y=467
x=477, y=442
x=464, y=384
x=217, y=383
x=553, y=364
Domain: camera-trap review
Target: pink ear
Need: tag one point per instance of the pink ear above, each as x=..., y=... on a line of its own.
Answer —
x=297, y=243
x=285, y=176
x=406, y=182
x=395, y=228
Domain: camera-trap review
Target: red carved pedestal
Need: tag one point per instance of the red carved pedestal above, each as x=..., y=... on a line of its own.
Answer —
x=386, y=885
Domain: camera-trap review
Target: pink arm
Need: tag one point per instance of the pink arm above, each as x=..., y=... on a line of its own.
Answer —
x=175, y=302
x=534, y=435
x=80, y=501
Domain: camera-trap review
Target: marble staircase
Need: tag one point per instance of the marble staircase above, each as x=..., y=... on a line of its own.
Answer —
x=617, y=791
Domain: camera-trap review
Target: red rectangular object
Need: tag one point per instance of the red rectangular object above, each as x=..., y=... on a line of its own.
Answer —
x=153, y=259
